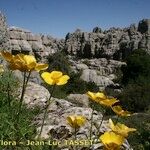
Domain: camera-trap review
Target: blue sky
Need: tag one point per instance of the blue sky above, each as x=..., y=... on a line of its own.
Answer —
x=58, y=17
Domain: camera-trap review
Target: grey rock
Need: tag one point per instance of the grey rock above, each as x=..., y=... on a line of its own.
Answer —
x=4, y=35
x=79, y=99
x=114, y=43
x=22, y=40
x=36, y=95
x=56, y=124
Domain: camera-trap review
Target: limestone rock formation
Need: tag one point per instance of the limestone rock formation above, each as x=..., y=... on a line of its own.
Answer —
x=144, y=28
x=100, y=71
x=41, y=46
x=56, y=124
x=115, y=43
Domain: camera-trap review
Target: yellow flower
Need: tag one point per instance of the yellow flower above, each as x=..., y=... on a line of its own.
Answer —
x=120, y=129
x=1, y=69
x=102, y=99
x=8, y=56
x=23, y=62
x=111, y=140
x=76, y=121
x=55, y=77
x=119, y=111
x=96, y=96
x=108, y=102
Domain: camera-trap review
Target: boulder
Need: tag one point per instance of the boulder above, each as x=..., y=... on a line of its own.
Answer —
x=79, y=99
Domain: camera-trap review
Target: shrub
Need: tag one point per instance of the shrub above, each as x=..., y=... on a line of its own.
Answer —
x=135, y=95
x=136, y=81
x=59, y=61
x=138, y=64
x=140, y=139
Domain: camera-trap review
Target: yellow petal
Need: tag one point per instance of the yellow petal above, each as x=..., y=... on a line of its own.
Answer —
x=119, y=111
x=7, y=56
x=19, y=57
x=31, y=66
x=111, y=124
x=122, y=129
x=110, y=137
x=41, y=67
x=96, y=96
x=70, y=120
x=63, y=80
x=76, y=121
x=100, y=95
x=80, y=120
x=56, y=74
x=29, y=59
x=47, y=78
x=91, y=95
x=108, y=102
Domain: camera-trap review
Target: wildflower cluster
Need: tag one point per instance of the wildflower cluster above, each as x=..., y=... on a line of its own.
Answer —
x=112, y=140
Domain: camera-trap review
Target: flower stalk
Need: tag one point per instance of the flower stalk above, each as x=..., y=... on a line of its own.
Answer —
x=91, y=125
x=25, y=82
x=46, y=109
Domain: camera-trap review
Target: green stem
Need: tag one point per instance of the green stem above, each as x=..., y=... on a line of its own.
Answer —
x=27, y=79
x=22, y=95
x=25, y=82
x=8, y=92
x=75, y=136
x=100, y=124
x=91, y=124
x=99, y=127
x=46, y=109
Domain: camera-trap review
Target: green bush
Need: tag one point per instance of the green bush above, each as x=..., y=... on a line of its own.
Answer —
x=139, y=140
x=138, y=64
x=59, y=61
x=135, y=95
x=136, y=82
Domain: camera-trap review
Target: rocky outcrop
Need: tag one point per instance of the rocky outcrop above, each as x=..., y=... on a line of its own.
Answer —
x=56, y=124
x=41, y=46
x=100, y=71
x=144, y=28
x=79, y=99
x=115, y=43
